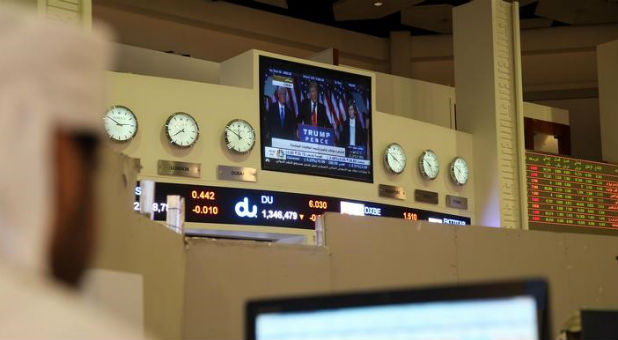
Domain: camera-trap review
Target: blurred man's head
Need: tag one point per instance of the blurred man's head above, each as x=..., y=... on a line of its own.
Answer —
x=49, y=107
x=281, y=92
x=313, y=91
x=73, y=230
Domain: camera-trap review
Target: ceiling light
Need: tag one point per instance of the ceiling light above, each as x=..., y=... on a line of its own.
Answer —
x=378, y=3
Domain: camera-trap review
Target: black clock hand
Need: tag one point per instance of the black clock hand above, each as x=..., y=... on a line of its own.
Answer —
x=183, y=130
x=236, y=133
x=395, y=158
x=115, y=121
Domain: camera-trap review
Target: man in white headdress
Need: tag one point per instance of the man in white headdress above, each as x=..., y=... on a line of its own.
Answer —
x=51, y=82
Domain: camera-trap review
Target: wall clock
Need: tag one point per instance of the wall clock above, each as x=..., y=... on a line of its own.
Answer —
x=239, y=136
x=120, y=123
x=459, y=171
x=395, y=158
x=182, y=129
x=428, y=164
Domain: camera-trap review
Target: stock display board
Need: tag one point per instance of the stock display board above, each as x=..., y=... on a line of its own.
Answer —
x=571, y=193
x=221, y=205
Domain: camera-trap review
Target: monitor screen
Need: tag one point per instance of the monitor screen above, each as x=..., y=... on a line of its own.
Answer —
x=506, y=318
x=315, y=121
x=500, y=310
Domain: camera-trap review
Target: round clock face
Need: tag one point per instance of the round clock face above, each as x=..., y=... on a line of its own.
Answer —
x=182, y=129
x=120, y=123
x=428, y=164
x=459, y=171
x=395, y=158
x=239, y=136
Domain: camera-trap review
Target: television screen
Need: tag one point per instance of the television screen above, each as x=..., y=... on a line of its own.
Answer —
x=315, y=121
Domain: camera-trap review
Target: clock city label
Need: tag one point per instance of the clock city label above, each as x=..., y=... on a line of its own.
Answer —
x=236, y=173
x=183, y=169
x=391, y=191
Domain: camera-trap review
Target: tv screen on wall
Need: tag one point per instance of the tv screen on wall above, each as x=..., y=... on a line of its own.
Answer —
x=315, y=121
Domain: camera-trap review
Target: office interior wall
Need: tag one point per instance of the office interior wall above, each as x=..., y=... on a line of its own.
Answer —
x=138, y=60
x=584, y=125
x=364, y=253
x=128, y=242
x=223, y=274
x=607, y=65
x=416, y=99
x=581, y=270
x=118, y=293
x=546, y=113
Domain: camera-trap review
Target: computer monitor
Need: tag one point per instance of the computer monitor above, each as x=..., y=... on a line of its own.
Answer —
x=506, y=310
x=599, y=324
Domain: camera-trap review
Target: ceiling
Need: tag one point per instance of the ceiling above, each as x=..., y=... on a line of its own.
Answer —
x=422, y=17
